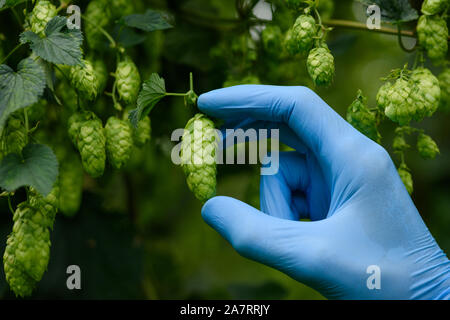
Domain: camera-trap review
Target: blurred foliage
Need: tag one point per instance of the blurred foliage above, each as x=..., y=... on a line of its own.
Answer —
x=139, y=233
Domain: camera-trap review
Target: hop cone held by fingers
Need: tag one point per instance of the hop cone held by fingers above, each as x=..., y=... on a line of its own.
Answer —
x=444, y=83
x=91, y=144
x=360, y=117
x=83, y=78
x=320, y=64
x=42, y=13
x=119, y=141
x=406, y=177
x=128, y=80
x=70, y=185
x=382, y=96
x=198, y=152
x=426, y=146
x=431, y=7
x=401, y=105
x=432, y=33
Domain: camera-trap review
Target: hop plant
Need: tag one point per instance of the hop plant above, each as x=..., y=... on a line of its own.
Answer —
x=431, y=7
x=426, y=93
x=432, y=33
x=426, y=146
x=198, y=156
x=301, y=37
x=444, y=83
x=48, y=205
x=382, y=96
x=405, y=175
x=83, y=78
x=70, y=185
x=320, y=64
x=15, y=137
x=271, y=40
x=119, y=141
x=401, y=106
x=360, y=117
x=98, y=15
x=142, y=133
x=42, y=13
x=91, y=144
x=74, y=125
x=128, y=80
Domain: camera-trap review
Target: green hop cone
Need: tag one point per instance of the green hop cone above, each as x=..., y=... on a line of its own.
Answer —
x=360, y=117
x=198, y=149
x=320, y=64
x=27, y=249
x=70, y=185
x=83, y=78
x=42, y=13
x=432, y=33
x=47, y=205
x=301, y=38
x=426, y=146
x=91, y=144
x=406, y=177
x=74, y=125
x=431, y=7
x=401, y=106
x=426, y=93
x=382, y=96
x=128, y=80
x=98, y=14
x=399, y=143
x=444, y=83
x=119, y=141
x=271, y=40
x=142, y=134
x=15, y=137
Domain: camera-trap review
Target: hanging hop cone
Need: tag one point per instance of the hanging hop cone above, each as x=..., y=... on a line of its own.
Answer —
x=432, y=33
x=300, y=38
x=426, y=146
x=42, y=13
x=431, y=7
x=119, y=141
x=128, y=80
x=320, y=64
x=360, y=117
x=83, y=78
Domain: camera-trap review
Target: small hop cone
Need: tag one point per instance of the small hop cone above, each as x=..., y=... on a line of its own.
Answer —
x=48, y=205
x=70, y=185
x=401, y=105
x=320, y=64
x=431, y=7
x=426, y=93
x=432, y=33
x=360, y=117
x=427, y=147
x=27, y=249
x=382, y=96
x=119, y=141
x=91, y=144
x=399, y=143
x=406, y=177
x=271, y=40
x=198, y=156
x=83, y=78
x=15, y=137
x=42, y=13
x=301, y=37
x=444, y=83
x=99, y=12
x=142, y=133
x=128, y=80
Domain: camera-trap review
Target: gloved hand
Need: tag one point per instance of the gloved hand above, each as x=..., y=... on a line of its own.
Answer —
x=365, y=240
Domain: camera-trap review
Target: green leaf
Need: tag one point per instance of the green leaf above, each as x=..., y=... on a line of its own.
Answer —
x=5, y=4
x=153, y=90
x=60, y=44
x=149, y=21
x=37, y=169
x=394, y=11
x=20, y=89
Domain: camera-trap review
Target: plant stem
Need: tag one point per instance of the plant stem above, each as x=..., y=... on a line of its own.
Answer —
x=11, y=52
x=191, y=81
x=103, y=31
x=176, y=94
x=10, y=204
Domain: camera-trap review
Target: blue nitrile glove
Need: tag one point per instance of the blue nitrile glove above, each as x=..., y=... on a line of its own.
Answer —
x=366, y=239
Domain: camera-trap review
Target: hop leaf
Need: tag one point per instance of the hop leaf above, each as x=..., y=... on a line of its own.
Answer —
x=406, y=177
x=42, y=13
x=432, y=33
x=198, y=156
x=149, y=21
x=128, y=80
x=431, y=7
x=444, y=83
x=360, y=117
x=426, y=146
x=83, y=77
x=119, y=141
x=301, y=38
x=320, y=64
